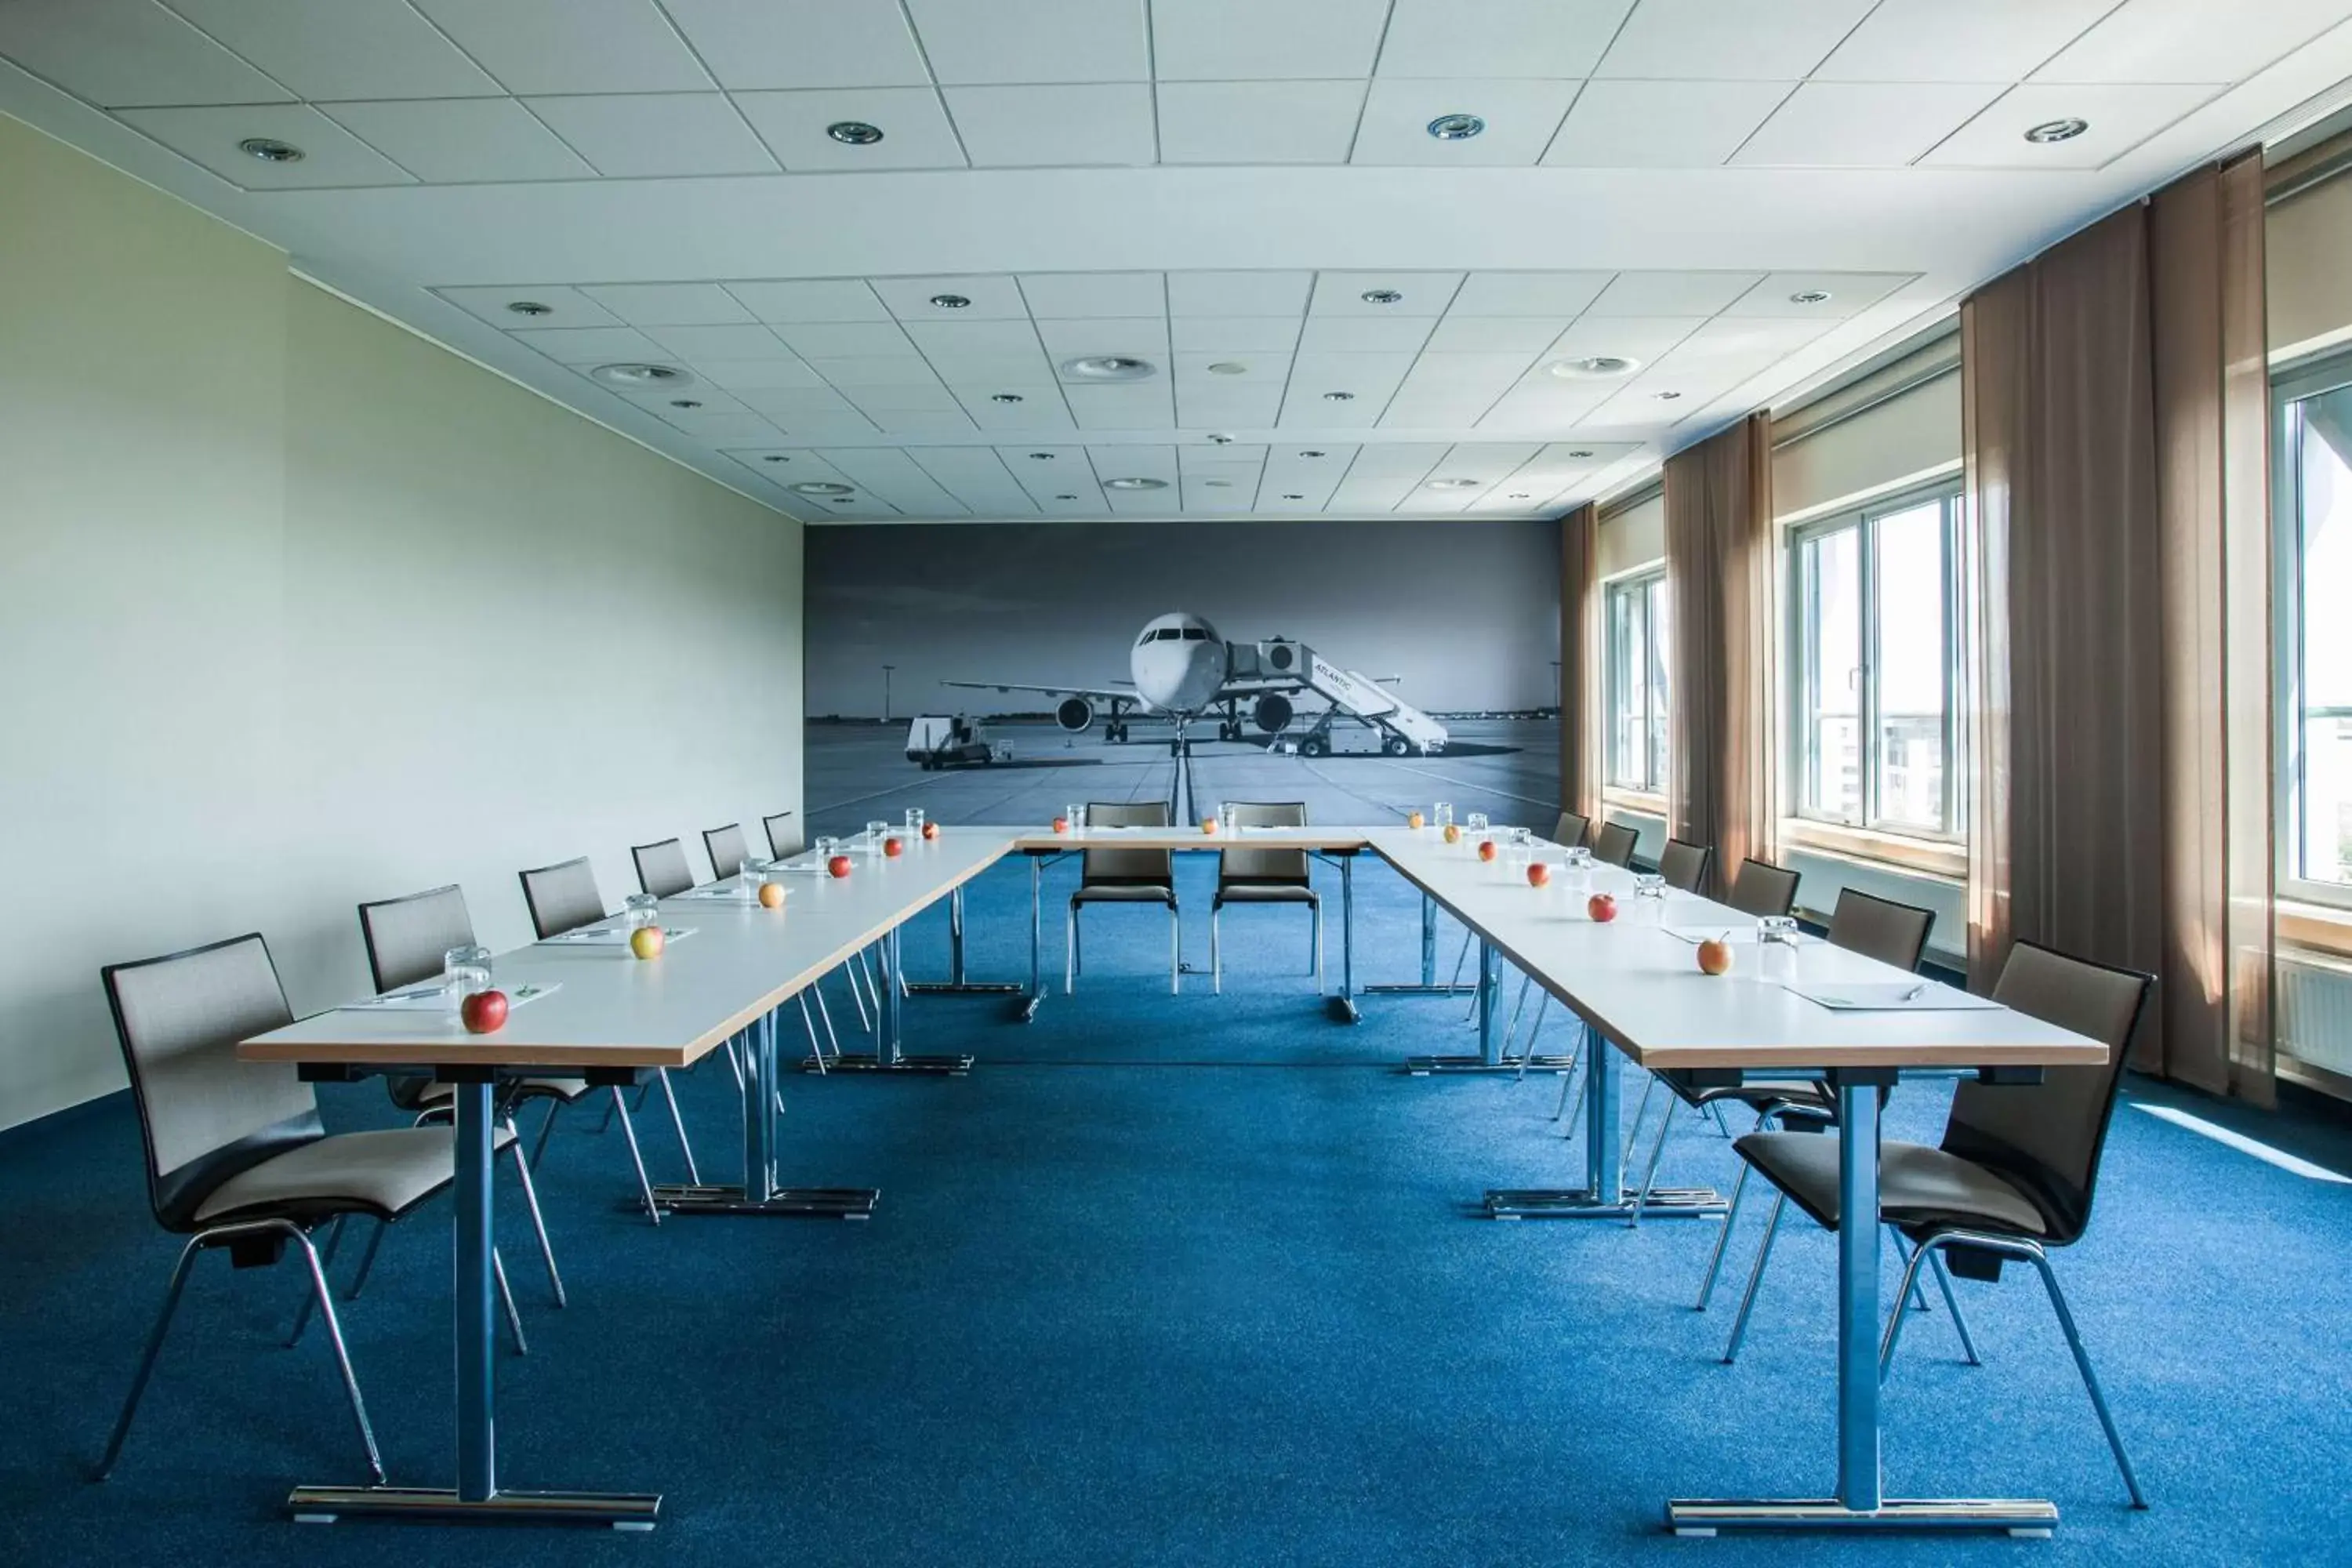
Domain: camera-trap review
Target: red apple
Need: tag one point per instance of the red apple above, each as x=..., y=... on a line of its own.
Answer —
x=892, y=849
x=647, y=941
x=1486, y=850
x=931, y=830
x=772, y=895
x=1538, y=873
x=1715, y=957
x=1061, y=825
x=838, y=865
x=485, y=1012
x=1602, y=906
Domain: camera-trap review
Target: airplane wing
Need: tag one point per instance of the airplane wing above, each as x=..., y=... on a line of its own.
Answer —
x=1095, y=693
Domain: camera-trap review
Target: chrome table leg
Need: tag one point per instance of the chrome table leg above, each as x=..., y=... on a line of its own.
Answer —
x=757, y=1192
x=1025, y=1011
x=1342, y=1008
x=1603, y=1195
x=956, y=984
x=888, y=1017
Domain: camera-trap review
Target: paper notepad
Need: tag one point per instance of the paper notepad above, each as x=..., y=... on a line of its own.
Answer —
x=610, y=936
x=1894, y=996
x=435, y=998
x=1734, y=935
x=732, y=891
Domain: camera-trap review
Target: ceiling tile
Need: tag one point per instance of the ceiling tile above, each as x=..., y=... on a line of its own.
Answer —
x=1256, y=370
x=923, y=423
x=1528, y=335
x=840, y=426
x=358, y=49
x=994, y=297
x=969, y=340
x=1233, y=334
x=1424, y=293
x=1047, y=469
x=915, y=130
x=1520, y=118
x=1293, y=481
x=823, y=300
x=331, y=155
x=722, y=430
x=802, y=43
x=592, y=345
x=117, y=53
x=785, y=403
x=1141, y=405
x=703, y=401
x=1935, y=40
x=1561, y=294
x=2121, y=118
x=1827, y=124
x=1258, y=121
x=1662, y=124
x=716, y=342
x=846, y=340
x=1672, y=40
x=1238, y=293
x=1673, y=293
x=571, y=46
x=1369, y=379
x=669, y=304
x=981, y=374
x=1203, y=407
x=453, y=140
x=1434, y=371
x=895, y=476
x=2191, y=40
x=566, y=306
x=1217, y=457
x=782, y=467
x=1499, y=38
x=1266, y=40
x=1080, y=295
x=1041, y=408
x=1138, y=462
x=641, y=135
x=1033, y=127
x=857, y=377
x=1141, y=336
x=1850, y=294
x=1436, y=408
x=745, y=376
x=1642, y=338
x=975, y=475
x=981, y=41
x=1365, y=333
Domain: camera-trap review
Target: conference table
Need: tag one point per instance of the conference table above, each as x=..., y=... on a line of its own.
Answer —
x=1633, y=982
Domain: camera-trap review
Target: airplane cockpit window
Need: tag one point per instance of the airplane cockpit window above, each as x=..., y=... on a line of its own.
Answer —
x=1194, y=634
x=1145, y=638
x=1171, y=634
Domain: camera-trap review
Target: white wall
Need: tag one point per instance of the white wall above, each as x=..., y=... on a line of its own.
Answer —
x=301, y=609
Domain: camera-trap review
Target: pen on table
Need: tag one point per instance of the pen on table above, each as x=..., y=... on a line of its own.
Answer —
x=1915, y=992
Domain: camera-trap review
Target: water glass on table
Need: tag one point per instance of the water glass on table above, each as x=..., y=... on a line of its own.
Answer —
x=1074, y=815
x=1442, y=815
x=1577, y=863
x=1228, y=819
x=915, y=823
x=464, y=972
x=640, y=909
x=1650, y=891
x=748, y=874
x=1776, y=948
x=876, y=832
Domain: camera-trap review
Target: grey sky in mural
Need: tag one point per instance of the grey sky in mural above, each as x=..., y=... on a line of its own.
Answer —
x=1467, y=613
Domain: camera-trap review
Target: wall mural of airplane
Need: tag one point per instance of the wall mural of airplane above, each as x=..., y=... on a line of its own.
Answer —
x=1183, y=669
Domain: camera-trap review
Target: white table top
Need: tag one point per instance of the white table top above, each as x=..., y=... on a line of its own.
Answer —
x=1642, y=989
x=1034, y=841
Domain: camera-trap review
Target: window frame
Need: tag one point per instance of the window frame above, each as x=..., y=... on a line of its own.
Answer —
x=2290, y=384
x=1946, y=492
x=1645, y=586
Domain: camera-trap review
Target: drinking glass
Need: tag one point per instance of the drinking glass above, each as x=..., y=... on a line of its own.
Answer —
x=876, y=832
x=1443, y=815
x=1776, y=948
x=1074, y=815
x=466, y=971
x=1228, y=819
x=1651, y=888
x=640, y=909
x=914, y=823
x=749, y=877
x=1577, y=863
x=826, y=848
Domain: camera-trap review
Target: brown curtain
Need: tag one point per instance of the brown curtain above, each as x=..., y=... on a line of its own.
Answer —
x=2115, y=426
x=1720, y=576
x=1580, y=694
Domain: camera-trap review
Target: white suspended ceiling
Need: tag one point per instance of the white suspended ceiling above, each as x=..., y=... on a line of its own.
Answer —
x=1738, y=197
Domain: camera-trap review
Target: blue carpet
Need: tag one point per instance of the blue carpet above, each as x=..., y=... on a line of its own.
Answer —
x=1114, y=1310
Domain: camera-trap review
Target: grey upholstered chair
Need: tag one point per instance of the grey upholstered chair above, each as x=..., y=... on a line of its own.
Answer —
x=1612, y=843
x=2015, y=1173
x=237, y=1159
x=1762, y=888
x=1880, y=928
x=661, y=867
x=1126, y=876
x=728, y=849
x=562, y=898
x=1572, y=829
x=1684, y=864
x=783, y=838
x=1263, y=875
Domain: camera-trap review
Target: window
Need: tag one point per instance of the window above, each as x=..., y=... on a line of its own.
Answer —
x=1639, y=626
x=2312, y=507
x=1873, y=736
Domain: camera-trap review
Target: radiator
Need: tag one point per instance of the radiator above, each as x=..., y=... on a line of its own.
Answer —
x=2315, y=1012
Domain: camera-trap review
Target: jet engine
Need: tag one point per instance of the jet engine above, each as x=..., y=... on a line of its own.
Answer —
x=1272, y=713
x=1075, y=714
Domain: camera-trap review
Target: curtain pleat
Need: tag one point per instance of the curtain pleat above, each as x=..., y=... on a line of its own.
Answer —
x=1580, y=691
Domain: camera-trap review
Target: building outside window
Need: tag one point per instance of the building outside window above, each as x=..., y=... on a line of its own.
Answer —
x=1640, y=694
x=2313, y=510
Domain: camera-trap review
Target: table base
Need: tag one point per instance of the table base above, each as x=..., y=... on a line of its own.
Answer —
x=1581, y=1203
x=965, y=988
x=1342, y=1010
x=2012, y=1516
x=790, y=1203
x=441, y=1505
x=869, y=1061
x=1427, y=1067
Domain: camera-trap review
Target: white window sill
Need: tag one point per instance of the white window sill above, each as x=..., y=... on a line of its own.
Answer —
x=1929, y=858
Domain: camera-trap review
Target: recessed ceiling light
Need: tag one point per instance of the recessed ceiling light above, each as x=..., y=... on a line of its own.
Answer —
x=1457, y=127
x=1595, y=367
x=1453, y=484
x=775, y=457
x=529, y=308
x=686, y=403
x=1665, y=396
x=824, y=488
x=1579, y=452
x=1381, y=296
x=840, y=503
x=269, y=150
x=2051, y=131
x=1221, y=440
x=1065, y=498
x=950, y=301
x=1312, y=453
x=1292, y=495
x=1218, y=484
x=1338, y=397
x=1107, y=367
x=1810, y=297
x=1228, y=367
x=637, y=377
x=1135, y=483
x=1040, y=456
x=1521, y=495
x=1005, y=397
x=853, y=132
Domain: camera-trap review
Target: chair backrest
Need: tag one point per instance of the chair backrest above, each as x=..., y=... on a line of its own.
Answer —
x=1572, y=829
x=783, y=838
x=1880, y=928
x=661, y=867
x=204, y=1115
x=1762, y=888
x=562, y=898
x=726, y=848
x=1684, y=864
x=407, y=938
x=1613, y=844
x=1128, y=868
x=2048, y=1137
x=1265, y=867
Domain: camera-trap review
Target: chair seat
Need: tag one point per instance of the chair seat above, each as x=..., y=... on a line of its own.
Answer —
x=1123, y=893
x=566, y=1089
x=1760, y=1092
x=1266, y=893
x=1916, y=1184
x=383, y=1173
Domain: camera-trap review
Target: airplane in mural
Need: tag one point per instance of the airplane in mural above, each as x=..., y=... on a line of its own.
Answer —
x=1183, y=669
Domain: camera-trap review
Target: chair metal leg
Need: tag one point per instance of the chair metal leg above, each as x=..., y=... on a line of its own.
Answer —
x=1723, y=1241
x=1455, y=978
x=1070, y=951
x=1216, y=953
x=636, y=1156
x=735, y=1063
x=303, y=1313
x=1535, y=1027
x=1952, y=1305
x=873, y=992
x=147, y=1361
x=546, y=1126
x=2089, y=1379
x=506, y=1300
x=1587, y=1054
x=1315, y=911
x=537, y=1220
x=1649, y=1175
x=1755, y=1277
x=367, y=1261
x=1519, y=1006
x=816, y=1051
x=858, y=997
x=1633, y=1133
x=677, y=1123
x=1175, y=952
x=342, y=1353
x=1576, y=1055
x=825, y=1015
x=1913, y=1297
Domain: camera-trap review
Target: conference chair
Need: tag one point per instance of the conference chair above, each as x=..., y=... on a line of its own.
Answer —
x=1573, y=830
x=783, y=838
x=562, y=898
x=784, y=841
x=1684, y=864
x=1264, y=876
x=1880, y=928
x=406, y=940
x=236, y=1158
x=728, y=849
x=2015, y=1173
x=1612, y=843
x=661, y=867
x=1762, y=889
x=1126, y=876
